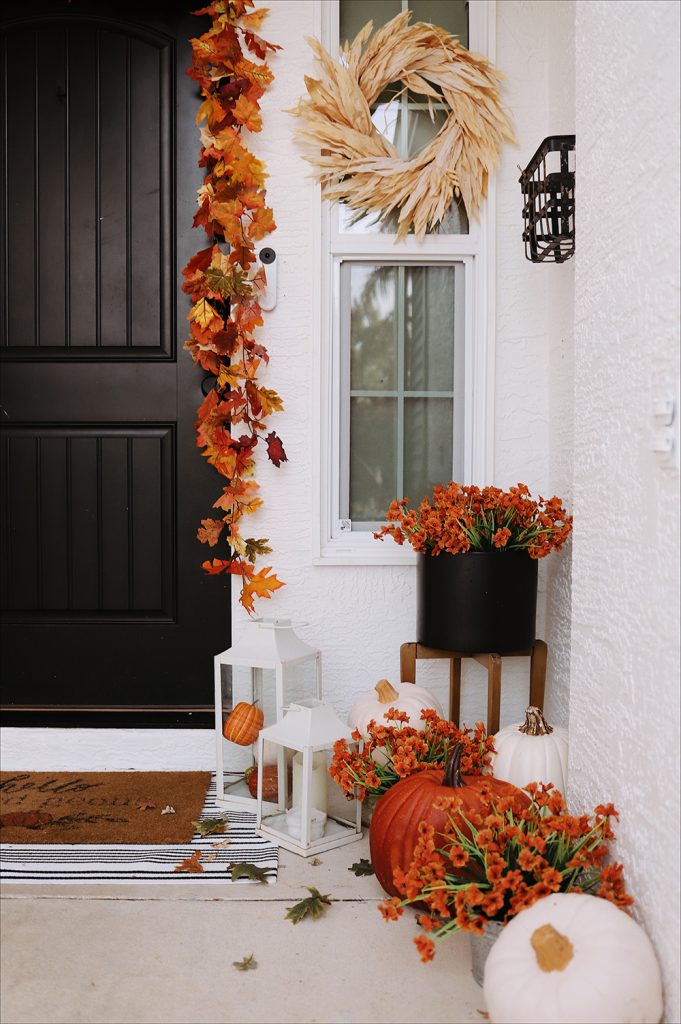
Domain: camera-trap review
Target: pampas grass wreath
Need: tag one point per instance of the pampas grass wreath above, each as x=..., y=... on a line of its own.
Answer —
x=358, y=166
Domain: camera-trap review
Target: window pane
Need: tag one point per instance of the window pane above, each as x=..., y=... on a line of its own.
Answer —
x=428, y=454
x=429, y=329
x=451, y=15
x=354, y=15
x=373, y=454
x=373, y=326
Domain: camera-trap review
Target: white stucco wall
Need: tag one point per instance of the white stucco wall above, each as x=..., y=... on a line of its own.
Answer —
x=624, y=714
x=359, y=615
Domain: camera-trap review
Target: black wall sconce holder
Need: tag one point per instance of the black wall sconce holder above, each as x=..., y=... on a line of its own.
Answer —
x=548, y=188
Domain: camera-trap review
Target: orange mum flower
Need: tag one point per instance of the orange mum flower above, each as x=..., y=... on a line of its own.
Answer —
x=391, y=909
x=458, y=856
x=426, y=948
x=552, y=878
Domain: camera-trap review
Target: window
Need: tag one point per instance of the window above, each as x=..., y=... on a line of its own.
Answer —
x=401, y=328
x=405, y=357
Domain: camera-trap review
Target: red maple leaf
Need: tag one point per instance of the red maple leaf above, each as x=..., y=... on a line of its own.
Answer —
x=275, y=449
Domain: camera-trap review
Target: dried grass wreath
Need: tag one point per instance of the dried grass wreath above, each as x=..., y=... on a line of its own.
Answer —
x=360, y=167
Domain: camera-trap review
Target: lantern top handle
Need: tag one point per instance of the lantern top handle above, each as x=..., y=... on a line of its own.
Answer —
x=267, y=644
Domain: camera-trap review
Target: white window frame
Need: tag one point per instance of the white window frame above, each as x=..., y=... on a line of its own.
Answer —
x=476, y=250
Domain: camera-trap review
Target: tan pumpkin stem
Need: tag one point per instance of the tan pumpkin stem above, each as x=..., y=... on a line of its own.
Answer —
x=552, y=950
x=386, y=691
x=535, y=724
x=452, y=776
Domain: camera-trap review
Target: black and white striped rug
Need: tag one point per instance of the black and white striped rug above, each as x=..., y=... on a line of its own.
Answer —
x=123, y=863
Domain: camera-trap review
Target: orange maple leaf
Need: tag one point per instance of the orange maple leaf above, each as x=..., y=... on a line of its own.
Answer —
x=262, y=223
x=215, y=567
x=209, y=531
x=203, y=314
x=247, y=113
x=191, y=864
x=253, y=19
x=259, y=585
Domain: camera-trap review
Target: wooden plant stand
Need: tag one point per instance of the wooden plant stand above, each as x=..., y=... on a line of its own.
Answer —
x=409, y=653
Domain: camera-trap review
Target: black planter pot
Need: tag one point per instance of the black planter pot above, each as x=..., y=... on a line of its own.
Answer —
x=477, y=602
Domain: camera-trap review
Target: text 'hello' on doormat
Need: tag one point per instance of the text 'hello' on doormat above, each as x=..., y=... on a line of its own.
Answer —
x=101, y=807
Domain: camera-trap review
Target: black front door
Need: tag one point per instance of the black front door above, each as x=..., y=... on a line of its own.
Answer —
x=104, y=604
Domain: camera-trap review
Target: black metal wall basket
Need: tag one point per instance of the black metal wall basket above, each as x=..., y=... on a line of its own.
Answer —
x=548, y=185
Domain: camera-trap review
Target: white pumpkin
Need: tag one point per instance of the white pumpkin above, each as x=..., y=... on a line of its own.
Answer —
x=572, y=958
x=531, y=751
x=405, y=697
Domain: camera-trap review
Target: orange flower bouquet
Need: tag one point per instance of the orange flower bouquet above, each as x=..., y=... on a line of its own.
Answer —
x=459, y=519
x=501, y=863
x=392, y=752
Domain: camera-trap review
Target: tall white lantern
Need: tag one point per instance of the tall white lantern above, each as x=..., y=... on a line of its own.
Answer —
x=270, y=666
x=301, y=821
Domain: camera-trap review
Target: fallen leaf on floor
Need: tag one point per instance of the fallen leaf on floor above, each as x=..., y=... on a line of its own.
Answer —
x=209, y=826
x=244, y=869
x=223, y=842
x=168, y=810
x=362, y=867
x=315, y=862
x=249, y=963
x=485, y=1016
x=314, y=906
x=191, y=864
x=145, y=806
x=210, y=857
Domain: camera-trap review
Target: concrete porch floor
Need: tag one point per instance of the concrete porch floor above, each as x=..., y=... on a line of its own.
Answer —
x=113, y=954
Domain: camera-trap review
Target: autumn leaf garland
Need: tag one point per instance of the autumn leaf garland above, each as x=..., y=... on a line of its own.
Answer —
x=224, y=287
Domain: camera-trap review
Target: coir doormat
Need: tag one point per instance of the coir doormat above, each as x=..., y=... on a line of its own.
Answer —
x=207, y=859
x=101, y=807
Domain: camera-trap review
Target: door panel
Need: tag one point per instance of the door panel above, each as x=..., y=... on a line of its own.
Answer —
x=104, y=604
x=88, y=242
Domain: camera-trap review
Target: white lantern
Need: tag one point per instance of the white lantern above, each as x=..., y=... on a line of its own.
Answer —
x=270, y=666
x=301, y=821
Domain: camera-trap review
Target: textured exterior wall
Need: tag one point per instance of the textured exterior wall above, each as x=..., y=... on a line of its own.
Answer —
x=359, y=615
x=624, y=707
x=535, y=50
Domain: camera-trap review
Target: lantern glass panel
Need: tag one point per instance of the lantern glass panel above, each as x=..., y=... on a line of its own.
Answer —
x=248, y=686
x=300, y=682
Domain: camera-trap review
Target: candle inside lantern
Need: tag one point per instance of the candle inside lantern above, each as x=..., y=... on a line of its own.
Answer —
x=294, y=823
x=319, y=781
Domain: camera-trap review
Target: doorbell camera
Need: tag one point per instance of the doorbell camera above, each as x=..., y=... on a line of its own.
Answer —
x=268, y=259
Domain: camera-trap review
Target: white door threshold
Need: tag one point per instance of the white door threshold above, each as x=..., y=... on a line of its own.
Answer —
x=93, y=750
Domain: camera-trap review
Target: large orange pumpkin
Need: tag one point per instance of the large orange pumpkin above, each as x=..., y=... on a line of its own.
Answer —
x=394, y=826
x=244, y=724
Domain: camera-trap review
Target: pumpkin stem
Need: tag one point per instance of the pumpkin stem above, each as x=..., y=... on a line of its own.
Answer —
x=552, y=950
x=535, y=724
x=387, y=693
x=452, y=776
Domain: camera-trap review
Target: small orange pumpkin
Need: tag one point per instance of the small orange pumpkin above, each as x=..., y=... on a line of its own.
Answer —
x=244, y=724
x=270, y=782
